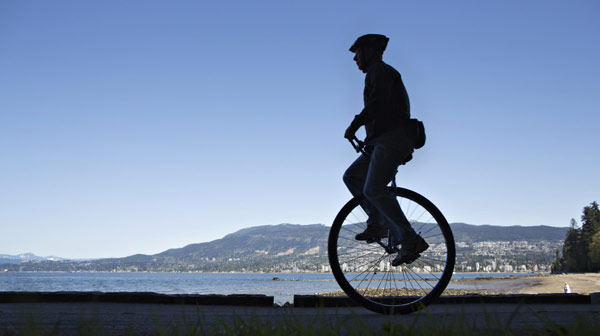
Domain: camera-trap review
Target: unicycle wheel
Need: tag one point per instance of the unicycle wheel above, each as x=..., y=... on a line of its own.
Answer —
x=364, y=271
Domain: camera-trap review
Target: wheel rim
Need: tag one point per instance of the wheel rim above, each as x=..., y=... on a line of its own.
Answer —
x=364, y=270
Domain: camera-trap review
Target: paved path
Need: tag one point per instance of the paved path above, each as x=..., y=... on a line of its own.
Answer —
x=142, y=319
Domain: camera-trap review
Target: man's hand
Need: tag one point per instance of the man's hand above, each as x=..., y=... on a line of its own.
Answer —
x=350, y=133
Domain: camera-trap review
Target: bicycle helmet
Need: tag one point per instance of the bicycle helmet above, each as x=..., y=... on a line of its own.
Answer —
x=375, y=41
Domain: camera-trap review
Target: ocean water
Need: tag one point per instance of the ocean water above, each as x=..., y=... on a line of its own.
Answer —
x=283, y=290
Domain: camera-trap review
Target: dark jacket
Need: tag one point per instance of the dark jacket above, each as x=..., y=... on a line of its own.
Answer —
x=386, y=102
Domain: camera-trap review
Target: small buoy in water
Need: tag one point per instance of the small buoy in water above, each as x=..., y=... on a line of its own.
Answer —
x=275, y=278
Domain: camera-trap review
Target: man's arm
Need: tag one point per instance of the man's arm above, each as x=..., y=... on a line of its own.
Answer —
x=376, y=86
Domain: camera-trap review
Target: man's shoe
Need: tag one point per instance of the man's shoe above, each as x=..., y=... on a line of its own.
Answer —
x=372, y=233
x=411, y=250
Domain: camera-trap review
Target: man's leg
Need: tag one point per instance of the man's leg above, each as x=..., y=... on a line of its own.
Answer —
x=354, y=178
x=383, y=165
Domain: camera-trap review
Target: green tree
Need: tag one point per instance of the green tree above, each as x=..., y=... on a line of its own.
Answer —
x=581, y=251
x=574, y=258
x=590, y=221
x=557, y=265
x=594, y=253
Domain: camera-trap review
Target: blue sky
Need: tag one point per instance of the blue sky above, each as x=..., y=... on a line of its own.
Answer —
x=137, y=126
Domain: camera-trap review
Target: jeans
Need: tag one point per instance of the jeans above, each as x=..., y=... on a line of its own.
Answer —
x=370, y=174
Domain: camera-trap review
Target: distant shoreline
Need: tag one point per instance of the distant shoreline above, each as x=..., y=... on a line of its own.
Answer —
x=526, y=274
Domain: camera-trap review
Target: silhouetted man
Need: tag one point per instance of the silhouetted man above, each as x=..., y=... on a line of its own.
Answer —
x=387, y=145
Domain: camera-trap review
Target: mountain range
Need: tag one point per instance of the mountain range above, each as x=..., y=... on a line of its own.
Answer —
x=283, y=247
x=9, y=259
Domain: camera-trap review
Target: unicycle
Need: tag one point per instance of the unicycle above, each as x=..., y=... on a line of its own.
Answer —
x=364, y=271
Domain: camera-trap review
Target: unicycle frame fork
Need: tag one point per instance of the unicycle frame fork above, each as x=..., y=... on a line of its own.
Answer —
x=389, y=248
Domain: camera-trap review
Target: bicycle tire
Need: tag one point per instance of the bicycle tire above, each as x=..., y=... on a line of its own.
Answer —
x=356, y=264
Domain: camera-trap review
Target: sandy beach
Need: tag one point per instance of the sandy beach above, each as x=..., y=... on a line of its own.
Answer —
x=582, y=283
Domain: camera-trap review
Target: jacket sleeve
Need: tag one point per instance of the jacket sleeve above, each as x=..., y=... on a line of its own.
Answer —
x=375, y=95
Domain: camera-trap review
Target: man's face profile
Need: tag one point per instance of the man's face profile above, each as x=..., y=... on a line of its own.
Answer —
x=358, y=58
x=361, y=57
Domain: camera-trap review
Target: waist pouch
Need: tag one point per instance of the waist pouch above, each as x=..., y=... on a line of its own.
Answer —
x=416, y=130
